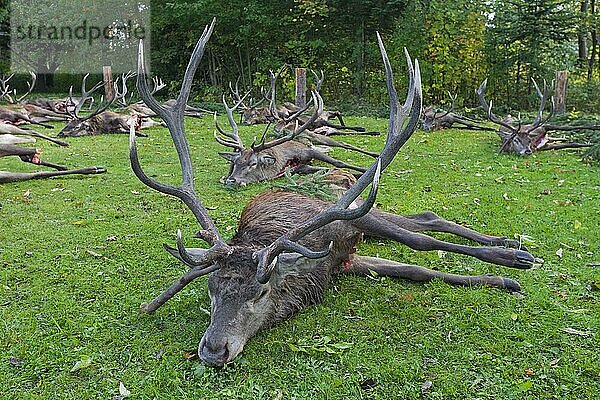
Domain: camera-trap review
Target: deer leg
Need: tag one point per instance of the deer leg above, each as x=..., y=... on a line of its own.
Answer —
x=317, y=155
x=429, y=221
x=327, y=141
x=563, y=146
x=6, y=177
x=344, y=127
x=362, y=265
x=380, y=227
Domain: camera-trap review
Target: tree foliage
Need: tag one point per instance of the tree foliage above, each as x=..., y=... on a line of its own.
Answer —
x=458, y=43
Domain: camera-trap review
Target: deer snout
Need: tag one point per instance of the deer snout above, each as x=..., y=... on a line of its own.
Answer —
x=213, y=353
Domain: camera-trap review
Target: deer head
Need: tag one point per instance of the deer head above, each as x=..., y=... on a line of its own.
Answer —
x=432, y=118
x=283, y=253
x=265, y=160
x=517, y=138
x=80, y=124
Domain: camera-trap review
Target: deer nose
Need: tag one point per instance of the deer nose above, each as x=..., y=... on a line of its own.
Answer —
x=230, y=181
x=213, y=353
x=528, y=151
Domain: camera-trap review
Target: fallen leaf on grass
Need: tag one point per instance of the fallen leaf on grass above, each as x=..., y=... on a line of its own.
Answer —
x=529, y=372
x=188, y=355
x=81, y=364
x=559, y=252
x=94, y=254
x=554, y=363
x=426, y=386
x=577, y=332
x=123, y=391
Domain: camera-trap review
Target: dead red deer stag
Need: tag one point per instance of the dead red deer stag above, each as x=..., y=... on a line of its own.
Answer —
x=288, y=247
x=100, y=120
x=269, y=160
x=31, y=155
x=434, y=120
x=9, y=129
x=524, y=139
x=139, y=108
x=252, y=114
x=10, y=95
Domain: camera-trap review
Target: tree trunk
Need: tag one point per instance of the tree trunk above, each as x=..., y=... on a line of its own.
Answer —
x=595, y=42
x=301, y=87
x=108, y=82
x=560, y=92
x=581, y=37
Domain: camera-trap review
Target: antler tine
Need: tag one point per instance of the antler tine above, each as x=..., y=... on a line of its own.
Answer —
x=236, y=141
x=157, y=84
x=5, y=88
x=488, y=108
x=397, y=136
x=543, y=99
x=318, y=80
x=318, y=110
x=173, y=117
x=30, y=86
x=453, y=99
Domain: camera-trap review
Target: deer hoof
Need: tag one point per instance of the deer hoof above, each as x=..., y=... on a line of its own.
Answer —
x=523, y=260
x=511, y=285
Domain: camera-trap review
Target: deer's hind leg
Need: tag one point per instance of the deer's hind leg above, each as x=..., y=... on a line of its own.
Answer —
x=371, y=225
x=363, y=265
x=431, y=222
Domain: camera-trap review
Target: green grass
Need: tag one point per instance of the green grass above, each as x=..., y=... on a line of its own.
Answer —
x=78, y=255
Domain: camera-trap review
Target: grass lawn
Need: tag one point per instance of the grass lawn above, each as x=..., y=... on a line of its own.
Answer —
x=79, y=254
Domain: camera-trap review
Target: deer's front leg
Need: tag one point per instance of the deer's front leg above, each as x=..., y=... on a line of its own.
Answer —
x=380, y=227
x=362, y=265
x=309, y=154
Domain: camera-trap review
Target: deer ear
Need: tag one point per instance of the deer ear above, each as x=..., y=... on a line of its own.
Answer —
x=267, y=159
x=229, y=156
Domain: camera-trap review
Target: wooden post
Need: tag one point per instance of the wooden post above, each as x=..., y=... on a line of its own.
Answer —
x=108, y=82
x=560, y=92
x=301, y=87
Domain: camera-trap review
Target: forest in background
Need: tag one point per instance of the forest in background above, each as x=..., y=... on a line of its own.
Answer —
x=458, y=43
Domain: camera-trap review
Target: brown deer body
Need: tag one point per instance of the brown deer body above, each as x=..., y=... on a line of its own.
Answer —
x=31, y=155
x=289, y=246
x=525, y=139
x=432, y=121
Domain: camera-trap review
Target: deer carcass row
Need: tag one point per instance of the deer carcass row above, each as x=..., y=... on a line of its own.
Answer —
x=288, y=246
x=31, y=155
x=290, y=112
x=524, y=139
x=100, y=121
x=434, y=120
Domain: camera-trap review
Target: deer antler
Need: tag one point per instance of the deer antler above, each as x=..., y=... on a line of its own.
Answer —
x=233, y=140
x=488, y=108
x=453, y=99
x=121, y=95
x=318, y=110
x=539, y=120
x=397, y=136
x=6, y=92
x=86, y=94
x=173, y=117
